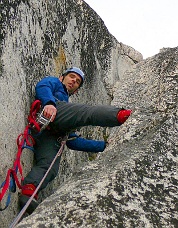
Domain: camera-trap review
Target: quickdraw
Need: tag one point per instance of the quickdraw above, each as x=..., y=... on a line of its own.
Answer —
x=25, y=140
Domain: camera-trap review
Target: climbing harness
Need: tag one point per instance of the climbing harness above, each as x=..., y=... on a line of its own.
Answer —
x=17, y=219
x=36, y=122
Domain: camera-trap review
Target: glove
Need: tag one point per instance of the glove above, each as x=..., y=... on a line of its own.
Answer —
x=123, y=115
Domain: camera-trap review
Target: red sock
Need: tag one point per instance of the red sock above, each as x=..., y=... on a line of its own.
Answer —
x=28, y=190
x=123, y=115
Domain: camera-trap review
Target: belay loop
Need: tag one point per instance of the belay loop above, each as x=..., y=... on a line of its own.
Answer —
x=24, y=140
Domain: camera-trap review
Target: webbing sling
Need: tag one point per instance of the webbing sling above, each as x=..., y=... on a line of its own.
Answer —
x=24, y=140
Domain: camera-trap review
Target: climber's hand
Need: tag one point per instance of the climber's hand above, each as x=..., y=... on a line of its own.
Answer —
x=50, y=110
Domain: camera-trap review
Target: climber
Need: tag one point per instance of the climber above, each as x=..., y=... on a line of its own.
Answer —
x=54, y=94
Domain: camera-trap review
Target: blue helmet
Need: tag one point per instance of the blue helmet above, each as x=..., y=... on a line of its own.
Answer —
x=77, y=71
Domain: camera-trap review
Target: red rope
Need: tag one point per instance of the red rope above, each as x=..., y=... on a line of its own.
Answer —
x=24, y=139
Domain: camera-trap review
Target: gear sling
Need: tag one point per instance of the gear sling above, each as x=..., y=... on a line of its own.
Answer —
x=37, y=122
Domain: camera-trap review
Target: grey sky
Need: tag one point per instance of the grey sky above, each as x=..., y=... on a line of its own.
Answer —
x=146, y=25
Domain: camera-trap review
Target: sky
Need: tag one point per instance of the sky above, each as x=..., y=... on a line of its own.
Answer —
x=145, y=25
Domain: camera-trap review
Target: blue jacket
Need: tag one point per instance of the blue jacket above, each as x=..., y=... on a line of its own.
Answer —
x=48, y=91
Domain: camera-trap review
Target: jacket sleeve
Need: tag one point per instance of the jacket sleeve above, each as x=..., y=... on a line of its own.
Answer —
x=75, y=142
x=45, y=89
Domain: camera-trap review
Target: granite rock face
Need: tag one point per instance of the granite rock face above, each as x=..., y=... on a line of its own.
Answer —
x=39, y=38
x=134, y=182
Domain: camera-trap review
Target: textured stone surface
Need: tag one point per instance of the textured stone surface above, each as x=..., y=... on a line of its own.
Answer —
x=134, y=183
x=38, y=38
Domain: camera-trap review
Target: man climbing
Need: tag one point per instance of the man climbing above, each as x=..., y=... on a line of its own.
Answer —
x=54, y=95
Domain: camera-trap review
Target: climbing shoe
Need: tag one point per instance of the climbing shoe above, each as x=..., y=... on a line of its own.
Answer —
x=23, y=199
x=27, y=192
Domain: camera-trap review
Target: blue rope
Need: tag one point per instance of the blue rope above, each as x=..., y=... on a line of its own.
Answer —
x=12, y=188
x=12, y=185
x=28, y=147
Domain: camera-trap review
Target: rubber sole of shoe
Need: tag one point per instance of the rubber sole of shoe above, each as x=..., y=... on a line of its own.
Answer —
x=33, y=205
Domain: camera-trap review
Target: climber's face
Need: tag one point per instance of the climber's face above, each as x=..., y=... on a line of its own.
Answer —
x=72, y=81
